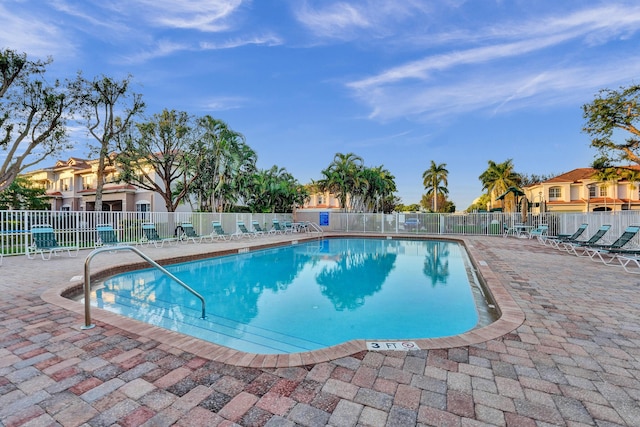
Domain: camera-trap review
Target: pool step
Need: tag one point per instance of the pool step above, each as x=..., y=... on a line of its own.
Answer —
x=215, y=329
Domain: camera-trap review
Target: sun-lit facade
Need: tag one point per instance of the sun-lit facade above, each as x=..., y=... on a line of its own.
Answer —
x=580, y=190
x=71, y=186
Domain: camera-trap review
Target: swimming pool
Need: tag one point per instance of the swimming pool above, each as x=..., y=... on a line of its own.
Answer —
x=308, y=296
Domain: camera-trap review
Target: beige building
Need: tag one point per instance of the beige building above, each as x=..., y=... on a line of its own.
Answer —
x=71, y=186
x=321, y=201
x=580, y=191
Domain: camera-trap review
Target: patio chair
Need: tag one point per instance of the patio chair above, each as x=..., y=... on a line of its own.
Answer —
x=189, y=233
x=540, y=233
x=574, y=247
x=555, y=241
x=611, y=251
x=243, y=231
x=218, y=232
x=280, y=229
x=257, y=228
x=43, y=241
x=151, y=236
x=627, y=260
x=106, y=236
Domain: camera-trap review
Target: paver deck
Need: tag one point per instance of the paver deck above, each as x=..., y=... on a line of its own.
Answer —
x=568, y=355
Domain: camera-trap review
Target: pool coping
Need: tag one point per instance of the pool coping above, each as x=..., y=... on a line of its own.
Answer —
x=510, y=318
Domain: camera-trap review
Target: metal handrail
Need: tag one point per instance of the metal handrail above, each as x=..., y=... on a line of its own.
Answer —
x=87, y=280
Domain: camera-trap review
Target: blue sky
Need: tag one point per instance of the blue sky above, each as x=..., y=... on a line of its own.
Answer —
x=399, y=83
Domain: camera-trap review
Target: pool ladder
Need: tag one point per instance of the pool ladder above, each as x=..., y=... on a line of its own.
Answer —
x=87, y=280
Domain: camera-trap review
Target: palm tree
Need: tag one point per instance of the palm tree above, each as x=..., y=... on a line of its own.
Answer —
x=498, y=178
x=432, y=180
x=342, y=177
x=606, y=176
x=633, y=177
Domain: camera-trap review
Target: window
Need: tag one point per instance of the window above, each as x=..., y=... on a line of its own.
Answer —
x=592, y=190
x=87, y=182
x=555, y=192
x=65, y=184
x=603, y=191
x=143, y=207
x=320, y=200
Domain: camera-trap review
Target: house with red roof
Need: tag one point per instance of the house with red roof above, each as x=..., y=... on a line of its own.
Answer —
x=581, y=190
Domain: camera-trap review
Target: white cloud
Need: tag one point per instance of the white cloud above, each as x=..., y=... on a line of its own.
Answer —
x=559, y=59
x=202, y=15
x=345, y=20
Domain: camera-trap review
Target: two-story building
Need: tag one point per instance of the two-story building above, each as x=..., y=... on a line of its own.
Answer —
x=71, y=186
x=580, y=190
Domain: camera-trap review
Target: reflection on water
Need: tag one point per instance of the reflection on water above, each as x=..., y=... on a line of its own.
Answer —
x=436, y=262
x=369, y=265
x=306, y=296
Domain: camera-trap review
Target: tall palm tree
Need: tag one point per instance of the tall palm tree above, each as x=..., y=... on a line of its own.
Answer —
x=342, y=177
x=498, y=178
x=633, y=177
x=606, y=176
x=432, y=180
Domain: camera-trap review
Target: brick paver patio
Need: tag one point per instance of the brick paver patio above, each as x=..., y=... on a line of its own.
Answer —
x=574, y=361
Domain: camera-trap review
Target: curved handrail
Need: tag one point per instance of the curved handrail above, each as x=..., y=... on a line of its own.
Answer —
x=87, y=280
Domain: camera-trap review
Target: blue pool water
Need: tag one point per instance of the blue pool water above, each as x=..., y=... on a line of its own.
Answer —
x=307, y=296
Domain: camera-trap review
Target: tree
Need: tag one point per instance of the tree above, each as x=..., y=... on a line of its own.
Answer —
x=498, y=178
x=159, y=154
x=342, y=176
x=32, y=114
x=432, y=180
x=21, y=195
x=610, y=112
x=275, y=190
x=633, y=177
x=226, y=168
x=101, y=101
x=606, y=175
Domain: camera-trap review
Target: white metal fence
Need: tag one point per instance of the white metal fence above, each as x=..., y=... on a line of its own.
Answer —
x=79, y=228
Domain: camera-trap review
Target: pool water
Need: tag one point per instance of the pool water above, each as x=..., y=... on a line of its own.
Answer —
x=307, y=296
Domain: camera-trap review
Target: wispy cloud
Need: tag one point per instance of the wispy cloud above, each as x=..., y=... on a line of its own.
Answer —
x=201, y=15
x=33, y=34
x=468, y=79
x=267, y=40
x=346, y=20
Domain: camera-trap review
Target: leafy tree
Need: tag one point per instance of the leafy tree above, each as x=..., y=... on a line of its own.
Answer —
x=432, y=180
x=610, y=112
x=342, y=176
x=527, y=180
x=226, y=168
x=21, y=195
x=498, y=178
x=101, y=101
x=633, y=178
x=606, y=175
x=444, y=205
x=480, y=204
x=162, y=146
x=275, y=190
x=32, y=114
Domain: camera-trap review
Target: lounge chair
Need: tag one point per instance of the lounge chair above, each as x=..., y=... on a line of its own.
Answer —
x=106, y=236
x=279, y=229
x=218, y=232
x=540, y=232
x=151, y=236
x=611, y=251
x=625, y=260
x=257, y=228
x=189, y=233
x=243, y=231
x=43, y=240
x=555, y=241
x=578, y=245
